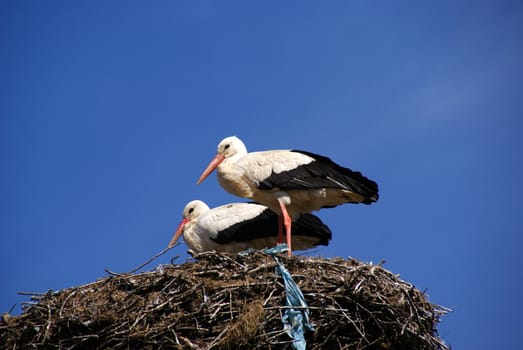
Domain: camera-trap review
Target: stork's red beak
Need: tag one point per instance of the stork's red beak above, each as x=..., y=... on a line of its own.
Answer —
x=212, y=165
x=178, y=232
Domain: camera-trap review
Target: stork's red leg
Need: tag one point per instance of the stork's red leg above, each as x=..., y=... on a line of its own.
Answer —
x=287, y=222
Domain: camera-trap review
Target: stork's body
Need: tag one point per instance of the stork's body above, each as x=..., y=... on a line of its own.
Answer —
x=290, y=182
x=239, y=226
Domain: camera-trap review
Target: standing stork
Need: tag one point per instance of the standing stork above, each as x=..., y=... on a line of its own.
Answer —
x=290, y=182
x=239, y=226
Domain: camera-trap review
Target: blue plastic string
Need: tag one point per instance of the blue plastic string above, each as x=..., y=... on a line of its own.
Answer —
x=295, y=320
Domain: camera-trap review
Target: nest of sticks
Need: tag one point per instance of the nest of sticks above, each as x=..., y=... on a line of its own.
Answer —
x=230, y=301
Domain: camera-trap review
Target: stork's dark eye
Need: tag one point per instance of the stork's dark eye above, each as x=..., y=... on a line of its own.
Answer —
x=227, y=146
x=191, y=210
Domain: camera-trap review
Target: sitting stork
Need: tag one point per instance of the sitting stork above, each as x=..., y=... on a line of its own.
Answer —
x=237, y=227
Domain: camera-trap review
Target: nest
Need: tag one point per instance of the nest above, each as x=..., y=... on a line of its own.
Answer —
x=230, y=301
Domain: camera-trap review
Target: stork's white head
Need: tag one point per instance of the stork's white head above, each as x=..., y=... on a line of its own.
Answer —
x=228, y=147
x=192, y=211
x=231, y=146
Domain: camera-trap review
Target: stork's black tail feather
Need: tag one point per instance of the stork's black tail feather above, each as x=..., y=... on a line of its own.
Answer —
x=324, y=172
x=311, y=225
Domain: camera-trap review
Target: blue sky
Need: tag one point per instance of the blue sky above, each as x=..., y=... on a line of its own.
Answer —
x=111, y=110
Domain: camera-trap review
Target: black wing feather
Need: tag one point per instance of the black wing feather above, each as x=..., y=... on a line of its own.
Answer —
x=263, y=225
x=311, y=225
x=322, y=173
x=266, y=225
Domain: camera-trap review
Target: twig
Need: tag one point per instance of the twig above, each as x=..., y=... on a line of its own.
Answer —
x=235, y=262
x=216, y=340
x=269, y=297
x=138, y=319
x=36, y=294
x=48, y=327
x=263, y=266
x=142, y=265
x=65, y=301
